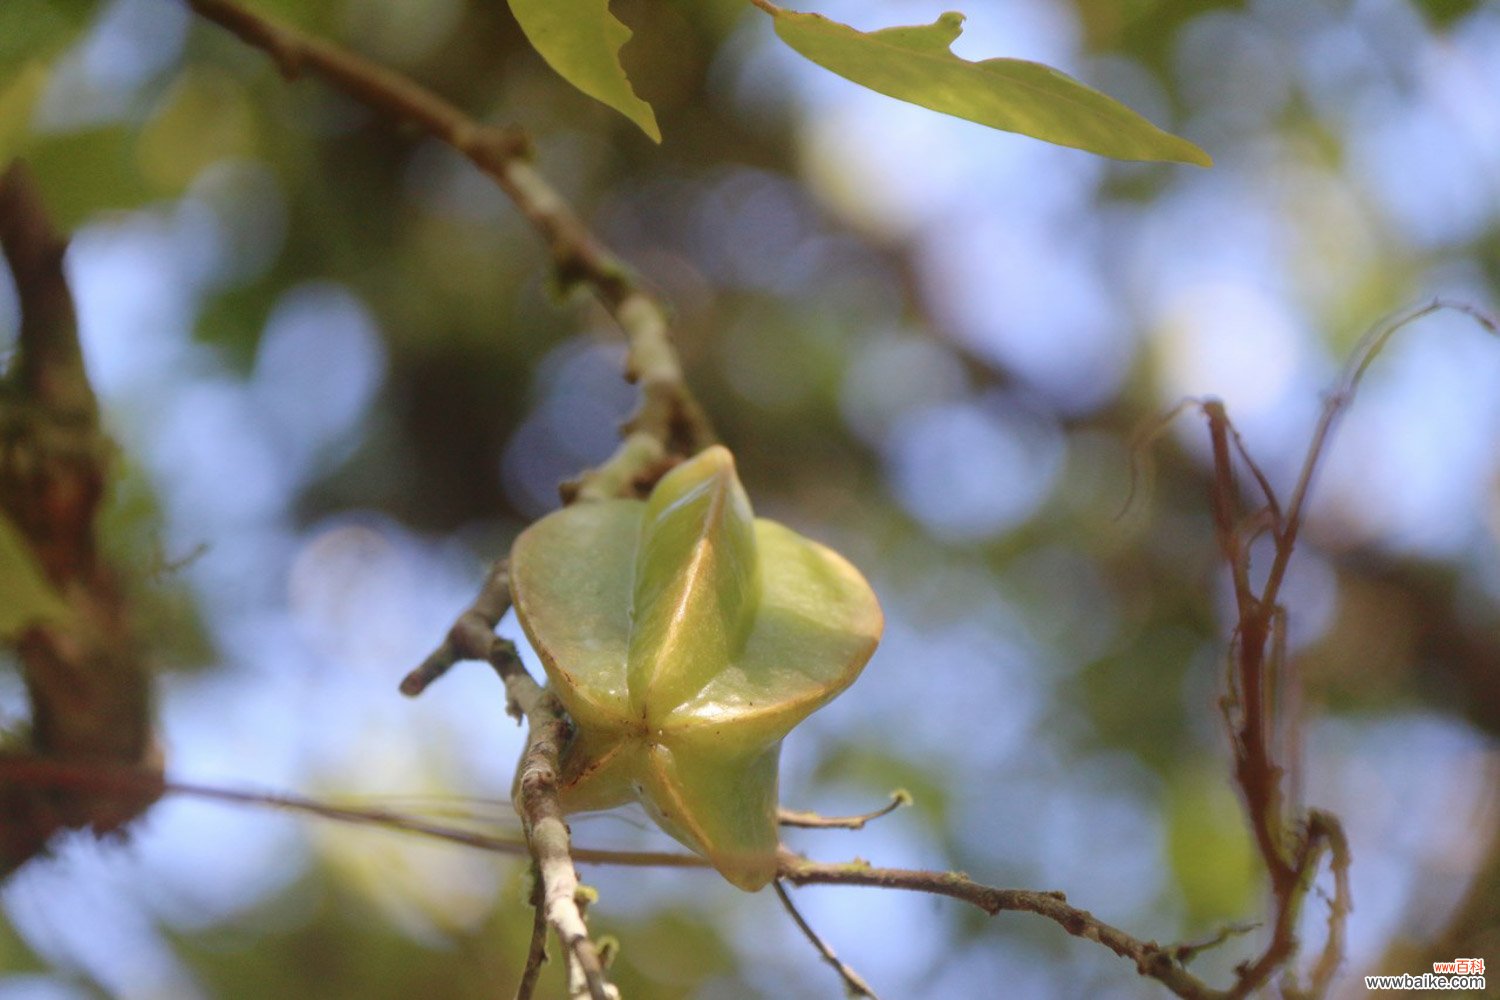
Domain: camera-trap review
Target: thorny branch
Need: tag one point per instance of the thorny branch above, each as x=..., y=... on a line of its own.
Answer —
x=1156, y=961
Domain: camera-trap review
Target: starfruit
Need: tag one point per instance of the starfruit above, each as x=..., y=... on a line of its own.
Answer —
x=686, y=637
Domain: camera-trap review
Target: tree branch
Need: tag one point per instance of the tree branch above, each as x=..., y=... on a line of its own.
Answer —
x=815, y=821
x=668, y=413
x=668, y=422
x=1291, y=850
x=127, y=781
x=1164, y=963
x=853, y=981
x=88, y=689
x=472, y=634
x=536, y=952
x=1150, y=958
x=542, y=816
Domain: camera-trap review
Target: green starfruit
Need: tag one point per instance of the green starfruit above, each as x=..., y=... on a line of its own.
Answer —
x=685, y=637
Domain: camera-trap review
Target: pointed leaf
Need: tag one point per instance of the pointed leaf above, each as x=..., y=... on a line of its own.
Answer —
x=581, y=40
x=915, y=64
x=17, y=99
x=26, y=598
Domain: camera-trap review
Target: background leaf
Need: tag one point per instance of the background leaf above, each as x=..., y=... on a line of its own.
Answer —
x=17, y=98
x=25, y=595
x=915, y=65
x=581, y=40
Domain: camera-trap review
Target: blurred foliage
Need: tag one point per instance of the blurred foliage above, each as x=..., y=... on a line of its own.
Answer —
x=1049, y=681
x=26, y=598
x=1210, y=851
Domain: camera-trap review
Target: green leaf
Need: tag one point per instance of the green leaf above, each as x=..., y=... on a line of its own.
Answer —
x=581, y=40
x=26, y=598
x=686, y=638
x=915, y=65
x=38, y=29
x=1209, y=849
x=17, y=99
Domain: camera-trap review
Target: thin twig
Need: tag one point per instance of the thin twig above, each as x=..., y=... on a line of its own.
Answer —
x=1260, y=688
x=853, y=980
x=542, y=816
x=815, y=821
x=102, y=779
x=635, y=465
x=668, y=412
x=536, y=952
x=1150, y=958
x=1190, y=950
x=1369, y=347
x=472, y=633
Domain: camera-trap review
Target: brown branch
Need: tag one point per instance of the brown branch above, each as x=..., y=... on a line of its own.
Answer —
x=1365, y=353
x=668, y=413
x=88, y=689
x=471, y=635
x=125, y=781
x=669, y=420
x=1164, y=963
x=1189, y=950
x=49, y=371
x=1259, y=686
x=853, y=981
x=815, y=821
x=1150, y=959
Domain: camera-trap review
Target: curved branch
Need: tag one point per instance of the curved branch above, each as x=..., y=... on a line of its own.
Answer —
x=816, y=821
x=669, y=413
x=1164, y=963
x=1150, y=958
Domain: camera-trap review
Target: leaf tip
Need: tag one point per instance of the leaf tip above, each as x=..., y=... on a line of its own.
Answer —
x=648, y=124
x=1196, y=156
